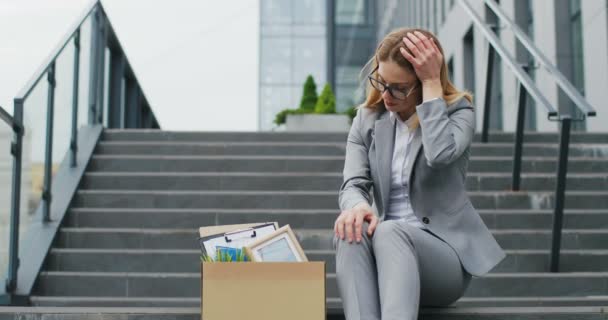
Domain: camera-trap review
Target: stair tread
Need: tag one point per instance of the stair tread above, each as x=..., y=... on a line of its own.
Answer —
x=190, y=310
x=599, y=275
x=332, y=211
x=318, y=174
x=311, y=231
x=322, y=192
x=309, y=251
x=316, y=157
x=316, y=143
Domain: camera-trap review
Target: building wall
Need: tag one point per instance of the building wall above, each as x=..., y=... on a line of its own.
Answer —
x=595, y=50
x=292, y=46
x=355, y=42
x=548, y=26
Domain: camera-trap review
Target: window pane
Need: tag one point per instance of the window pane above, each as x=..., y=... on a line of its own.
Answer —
x=350, y=12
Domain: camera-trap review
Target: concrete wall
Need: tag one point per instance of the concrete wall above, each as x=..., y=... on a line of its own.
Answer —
x=545, y=23
x=595, y=51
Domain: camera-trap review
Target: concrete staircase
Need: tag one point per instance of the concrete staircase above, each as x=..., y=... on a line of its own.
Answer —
x=129, y=238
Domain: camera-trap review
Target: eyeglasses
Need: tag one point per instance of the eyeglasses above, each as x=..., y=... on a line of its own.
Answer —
x=397, y=92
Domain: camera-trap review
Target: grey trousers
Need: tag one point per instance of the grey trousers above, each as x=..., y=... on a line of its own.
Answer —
x=397, y=270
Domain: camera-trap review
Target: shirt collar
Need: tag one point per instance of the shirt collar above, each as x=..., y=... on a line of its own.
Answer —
x=408, y=122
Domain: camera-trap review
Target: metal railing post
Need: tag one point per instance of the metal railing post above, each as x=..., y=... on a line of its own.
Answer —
x=487, y=104
x=560, y=189
x=519, y=136
x=48, y=162
x=16, y=151
x=101, y=30
x=93, y=77
x=74, y=138
x=101, y=62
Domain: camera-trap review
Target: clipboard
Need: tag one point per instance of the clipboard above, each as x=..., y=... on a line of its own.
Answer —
x=232, y=236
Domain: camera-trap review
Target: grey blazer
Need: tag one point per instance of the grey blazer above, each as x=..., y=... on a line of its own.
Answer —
x=438, y=160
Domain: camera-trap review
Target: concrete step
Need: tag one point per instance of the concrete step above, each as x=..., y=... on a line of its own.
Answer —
x=236, y=199
x=306, y=219
x=286, y=148
x=212, y=181
x=312, y=181
x=172, y=260
x=158, y=135
x=334, y=305
x=310, y=239
x=154, y=313
x=565, y=301
x=322, y=148
x=152, y=163
x=96, y=313
x=536, y=181
x=117, y=302
x=131, y=284
x=231, y=136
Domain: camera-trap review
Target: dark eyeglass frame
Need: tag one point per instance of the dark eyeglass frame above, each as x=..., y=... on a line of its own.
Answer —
x=391, y=88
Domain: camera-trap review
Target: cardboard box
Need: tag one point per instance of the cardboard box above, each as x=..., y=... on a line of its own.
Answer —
x=263, y=290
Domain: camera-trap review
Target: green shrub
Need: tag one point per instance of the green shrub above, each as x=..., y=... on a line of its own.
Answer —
x=351, y=112
x=309, y=94
x=326, y=104
x=281, y=117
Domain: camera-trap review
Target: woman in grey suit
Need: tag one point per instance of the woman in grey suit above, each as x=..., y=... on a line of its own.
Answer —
x=409, y=147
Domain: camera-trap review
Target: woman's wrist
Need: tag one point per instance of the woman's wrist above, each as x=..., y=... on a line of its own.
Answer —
x=362, y=205
x=431, y=89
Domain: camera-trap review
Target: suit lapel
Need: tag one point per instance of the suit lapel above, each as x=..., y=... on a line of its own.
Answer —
x=384, y=141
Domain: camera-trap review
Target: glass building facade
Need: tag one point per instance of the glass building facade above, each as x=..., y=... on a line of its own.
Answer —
x=292, y=46
x=296, y=39
x=355, y=42
x=333, y=39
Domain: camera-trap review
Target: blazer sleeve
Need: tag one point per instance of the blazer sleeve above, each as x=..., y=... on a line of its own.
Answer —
x=444, y=136
x=357, y=182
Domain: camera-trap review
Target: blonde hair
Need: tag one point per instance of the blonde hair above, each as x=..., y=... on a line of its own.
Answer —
x=388, y=50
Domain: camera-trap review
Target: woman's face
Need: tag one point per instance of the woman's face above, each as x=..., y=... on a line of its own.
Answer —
x=390, y=73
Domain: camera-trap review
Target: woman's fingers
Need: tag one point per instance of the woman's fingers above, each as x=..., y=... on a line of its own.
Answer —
x=413, y=48
x=407, y=55
x=348, y=225
x=429, y=43
x=424, y=55
x=437, y=51
x=340, y=227
x=336, y=226
x=372, y=225
x=420, y=40
x=358, y=227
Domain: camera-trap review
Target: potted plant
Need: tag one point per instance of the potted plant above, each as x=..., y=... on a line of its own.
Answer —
x=315, y=113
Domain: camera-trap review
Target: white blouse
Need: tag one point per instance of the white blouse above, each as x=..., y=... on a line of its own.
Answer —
x=399, y=202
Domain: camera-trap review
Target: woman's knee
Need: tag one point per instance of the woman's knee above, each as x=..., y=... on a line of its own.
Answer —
x=341, y=244
x=389, y=230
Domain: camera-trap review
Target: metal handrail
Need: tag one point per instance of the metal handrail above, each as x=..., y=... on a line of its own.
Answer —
x=6, y=117
x=566, y=123
x=46, y=63
x=517, y=69
x=125, y=101
x=527, y=86
x=559, y=77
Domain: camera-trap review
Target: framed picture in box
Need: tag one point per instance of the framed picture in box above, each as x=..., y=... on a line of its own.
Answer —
x=280, y=246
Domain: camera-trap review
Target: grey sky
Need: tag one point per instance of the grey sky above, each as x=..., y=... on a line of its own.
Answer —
x=197, y=60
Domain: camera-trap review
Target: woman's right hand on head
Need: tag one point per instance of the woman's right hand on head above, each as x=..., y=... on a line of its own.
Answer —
x=349, y=223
